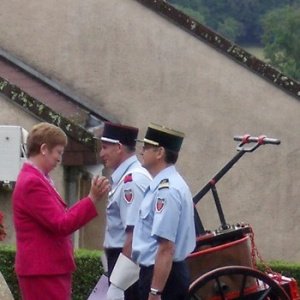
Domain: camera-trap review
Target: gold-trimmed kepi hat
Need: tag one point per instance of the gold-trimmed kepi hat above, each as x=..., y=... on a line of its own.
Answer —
x=158, y=135
x=117, y=133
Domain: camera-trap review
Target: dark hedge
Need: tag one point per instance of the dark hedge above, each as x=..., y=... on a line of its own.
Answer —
x=89, y=270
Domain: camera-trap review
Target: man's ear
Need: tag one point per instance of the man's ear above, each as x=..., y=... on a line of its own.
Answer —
x=160, y=152
x=120, y=147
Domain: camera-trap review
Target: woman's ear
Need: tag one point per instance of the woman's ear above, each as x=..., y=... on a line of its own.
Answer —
x=43, y=149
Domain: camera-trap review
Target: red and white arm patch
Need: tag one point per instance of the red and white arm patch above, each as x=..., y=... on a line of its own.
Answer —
x=128, y=195
x=160, y=204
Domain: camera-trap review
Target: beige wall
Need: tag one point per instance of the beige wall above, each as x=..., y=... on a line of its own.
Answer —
x=138, y=66
x=10, y=114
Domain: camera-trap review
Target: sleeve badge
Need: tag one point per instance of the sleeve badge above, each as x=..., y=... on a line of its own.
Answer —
x=160, y=204
x=128, y=195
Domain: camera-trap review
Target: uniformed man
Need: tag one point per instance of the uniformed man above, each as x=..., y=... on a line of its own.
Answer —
x=165, y=232
x=129, y=181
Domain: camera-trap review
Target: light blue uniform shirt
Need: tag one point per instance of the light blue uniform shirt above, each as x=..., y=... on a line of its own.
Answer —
x=129, y=182
x=167, y=211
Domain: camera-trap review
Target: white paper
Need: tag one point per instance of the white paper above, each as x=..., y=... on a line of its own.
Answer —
x=125, y=273
x=100, y=290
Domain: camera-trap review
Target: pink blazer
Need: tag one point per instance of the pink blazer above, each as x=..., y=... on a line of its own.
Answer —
x=43, y=225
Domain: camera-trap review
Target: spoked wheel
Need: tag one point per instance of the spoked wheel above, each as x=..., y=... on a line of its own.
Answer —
x=236, y=282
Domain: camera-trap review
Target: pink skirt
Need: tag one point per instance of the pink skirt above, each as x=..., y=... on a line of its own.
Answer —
x=46, y=287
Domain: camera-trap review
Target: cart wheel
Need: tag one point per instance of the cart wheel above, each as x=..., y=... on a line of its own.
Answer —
x=248, y=284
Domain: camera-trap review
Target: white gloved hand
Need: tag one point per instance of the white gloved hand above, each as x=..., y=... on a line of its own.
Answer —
x=115, y=293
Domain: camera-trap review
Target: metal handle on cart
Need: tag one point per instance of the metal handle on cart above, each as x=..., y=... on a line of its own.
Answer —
x=242, y=148
x=260, y=140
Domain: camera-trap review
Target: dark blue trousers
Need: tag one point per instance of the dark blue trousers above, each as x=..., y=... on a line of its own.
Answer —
x=112, y=255
x=177, y=285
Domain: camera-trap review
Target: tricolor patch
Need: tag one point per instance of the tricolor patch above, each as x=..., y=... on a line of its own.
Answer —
x=128, y=195
x=160, y=204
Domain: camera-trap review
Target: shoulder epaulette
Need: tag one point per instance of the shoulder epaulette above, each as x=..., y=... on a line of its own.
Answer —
x=164, y=184
x=128, y=178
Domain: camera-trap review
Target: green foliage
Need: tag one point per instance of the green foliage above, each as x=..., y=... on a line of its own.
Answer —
x=235, y=19
x=89, y=270
x=274, y=23
x=7, y=258
x=288, y=269
x=230, y=28
x=281, y=39
x=197, y=15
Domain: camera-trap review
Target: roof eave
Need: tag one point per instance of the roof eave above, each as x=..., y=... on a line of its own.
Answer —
x=225, y=46
x=44, y=113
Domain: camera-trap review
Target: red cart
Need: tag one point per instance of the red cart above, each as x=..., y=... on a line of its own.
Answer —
x=223, y=265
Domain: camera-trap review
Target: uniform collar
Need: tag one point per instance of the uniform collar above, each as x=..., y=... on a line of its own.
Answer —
x=163, y=174
x=123, y=168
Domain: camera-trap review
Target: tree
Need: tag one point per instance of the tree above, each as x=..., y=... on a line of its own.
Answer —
x=281, y=39
x=230, y=28
x=195, y=14
x=238, y=20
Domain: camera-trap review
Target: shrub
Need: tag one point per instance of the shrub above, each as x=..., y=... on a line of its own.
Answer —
x=89, y=270
x=7, y=258
x=287, y=269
